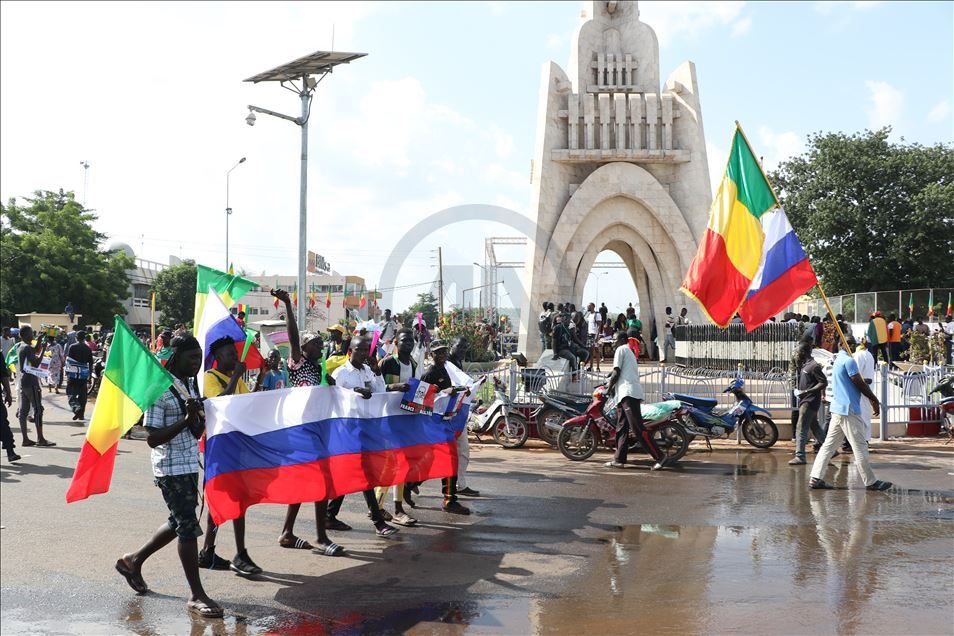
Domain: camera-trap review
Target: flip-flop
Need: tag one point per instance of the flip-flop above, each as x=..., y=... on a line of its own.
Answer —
x=46, y=442
x=29, y=442
x=332, y=549
x=137, y=584
x=386, y=531
x=404, y=519
x=203, y=610
x=297, y=544
x=879, y=485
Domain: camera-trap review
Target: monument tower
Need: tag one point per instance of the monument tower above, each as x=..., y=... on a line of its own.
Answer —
x=619, y=164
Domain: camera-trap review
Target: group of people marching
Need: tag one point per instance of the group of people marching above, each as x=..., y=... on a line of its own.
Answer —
x=175, y=423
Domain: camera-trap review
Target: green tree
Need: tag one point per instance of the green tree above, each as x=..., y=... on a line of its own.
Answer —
x=427, y=305
x=50, y=255
x=872, y=215
x=175, y=294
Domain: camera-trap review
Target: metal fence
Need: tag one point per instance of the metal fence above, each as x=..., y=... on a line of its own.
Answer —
x=766, y=348
x=858, y=307
x=905, y=396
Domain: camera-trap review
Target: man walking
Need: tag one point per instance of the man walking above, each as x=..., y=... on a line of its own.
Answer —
x=593, y=324
x=810, y=386
x=174, y=424
x=31, y=397
x=624, y=384
x=670, y=341
x=79, y=367
x=304, y=369
x=455, y=358
x=6, y=435
x=846, y=421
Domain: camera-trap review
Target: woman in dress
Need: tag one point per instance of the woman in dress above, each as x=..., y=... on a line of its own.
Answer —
x=57, y=359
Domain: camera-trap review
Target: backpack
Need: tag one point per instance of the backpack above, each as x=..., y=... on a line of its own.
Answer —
x=545, y=323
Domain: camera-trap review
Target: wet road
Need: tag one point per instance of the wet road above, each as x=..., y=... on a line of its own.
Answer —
x=730, y=541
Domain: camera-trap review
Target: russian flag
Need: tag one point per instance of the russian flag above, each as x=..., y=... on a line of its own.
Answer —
x=216, y=322
x=784, y=273
x=316, y=443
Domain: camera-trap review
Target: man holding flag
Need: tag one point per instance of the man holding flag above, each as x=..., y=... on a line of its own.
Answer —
x=173, y=425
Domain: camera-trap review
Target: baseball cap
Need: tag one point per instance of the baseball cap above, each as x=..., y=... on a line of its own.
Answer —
x=307, y=337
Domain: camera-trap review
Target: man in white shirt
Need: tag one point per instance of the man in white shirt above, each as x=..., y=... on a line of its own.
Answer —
x=388, y=329
x=866, y=368
x=593, y=322
x=670, y=341
x=624, y=384
x=356, y=374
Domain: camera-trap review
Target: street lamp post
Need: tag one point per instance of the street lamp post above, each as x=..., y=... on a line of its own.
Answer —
x=484, y=279
x=597, y=283
x=228, y=211
x=320, y=63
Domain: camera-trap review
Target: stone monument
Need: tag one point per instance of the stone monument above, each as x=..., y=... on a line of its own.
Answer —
x=619, y=164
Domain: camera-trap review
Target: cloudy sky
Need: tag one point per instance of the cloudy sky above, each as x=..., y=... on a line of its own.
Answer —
x=441, y=112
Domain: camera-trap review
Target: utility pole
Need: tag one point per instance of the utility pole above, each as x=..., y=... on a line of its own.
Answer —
x=85, y=165
x=440, y=282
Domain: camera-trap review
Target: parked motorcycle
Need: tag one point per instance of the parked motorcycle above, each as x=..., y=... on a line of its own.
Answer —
x=580, y=436
x=96, y=378
x=946, y=388
x=556, y=408
x=508, y=428
x=702, y=418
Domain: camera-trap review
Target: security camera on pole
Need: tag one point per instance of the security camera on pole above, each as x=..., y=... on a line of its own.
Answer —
x=319, y=63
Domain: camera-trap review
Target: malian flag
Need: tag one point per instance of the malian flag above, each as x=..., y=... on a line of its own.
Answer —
x=311, y=299
x=216, y=322
x=364, y=301
x=950, y=307
x=784, y=273
x=317, y=443
x=294, y=298
x=328, y=300
x=930, y=311
x=729, y=255
x=132, y=381
x=228, y=286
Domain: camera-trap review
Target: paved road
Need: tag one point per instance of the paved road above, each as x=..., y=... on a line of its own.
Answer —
x=729, y=541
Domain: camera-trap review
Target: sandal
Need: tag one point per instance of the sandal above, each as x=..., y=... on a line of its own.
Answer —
x=820, y=484
x=135, y=582
x=330, y=549
x=297, y=544
x=46, y=442
x=404, y=519
x=28, y=442
x=385, y=530
x=204, y=610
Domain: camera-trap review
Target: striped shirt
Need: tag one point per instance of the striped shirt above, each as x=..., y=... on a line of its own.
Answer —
x=180, y=455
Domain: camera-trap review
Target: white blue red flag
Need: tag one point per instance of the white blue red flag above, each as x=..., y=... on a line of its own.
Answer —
x=317, y=443
x=784, y=272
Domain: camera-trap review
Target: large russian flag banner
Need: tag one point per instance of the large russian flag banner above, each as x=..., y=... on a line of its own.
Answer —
x=315, y=443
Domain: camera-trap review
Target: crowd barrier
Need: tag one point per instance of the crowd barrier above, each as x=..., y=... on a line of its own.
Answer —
x=908, y=406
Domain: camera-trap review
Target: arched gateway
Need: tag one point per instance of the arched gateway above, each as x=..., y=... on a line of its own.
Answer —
x=619, y=165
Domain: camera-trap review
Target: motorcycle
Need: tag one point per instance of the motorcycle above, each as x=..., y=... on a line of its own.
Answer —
x=508, y=428
x=96, y=377
x=946, y=388
x=704, y=420
x=582, y=435
x=556, y=408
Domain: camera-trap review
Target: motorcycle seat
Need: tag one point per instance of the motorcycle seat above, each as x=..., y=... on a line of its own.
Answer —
x=702, y=403
x=573, y=398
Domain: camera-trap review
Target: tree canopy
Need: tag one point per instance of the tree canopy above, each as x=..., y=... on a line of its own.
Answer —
x=175, y=294
x=871, y=214
x=427, y=305
x=50, y=255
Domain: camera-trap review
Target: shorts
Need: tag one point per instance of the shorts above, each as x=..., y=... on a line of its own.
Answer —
x=181, y=493
x=590, y=340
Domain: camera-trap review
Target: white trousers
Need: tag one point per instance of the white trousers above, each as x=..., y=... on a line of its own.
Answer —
x=463, y=458
x=852, y=427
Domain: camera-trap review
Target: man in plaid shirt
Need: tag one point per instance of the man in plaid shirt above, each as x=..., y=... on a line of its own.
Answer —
x=174, y=424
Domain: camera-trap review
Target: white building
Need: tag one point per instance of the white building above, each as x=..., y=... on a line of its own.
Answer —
x=346, y=293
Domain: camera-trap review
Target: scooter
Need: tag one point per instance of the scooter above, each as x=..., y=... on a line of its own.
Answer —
x=704, y=420
x=508, y=428
x=946, y=388
x=556, y=408
x=581, y=435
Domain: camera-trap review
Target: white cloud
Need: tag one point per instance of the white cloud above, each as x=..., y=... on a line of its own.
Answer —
x=555, y=41
x=676, y=19
x=777, y=147
x=941, y=112
x=742, y=27
x=887, y=104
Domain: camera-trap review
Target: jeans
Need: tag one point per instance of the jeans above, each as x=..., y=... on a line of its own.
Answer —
x=670, y=346
x=76, y=390
x=30, y=399
x=6, y=435
x=807, y=419
x=575, y=355
x=842, y=426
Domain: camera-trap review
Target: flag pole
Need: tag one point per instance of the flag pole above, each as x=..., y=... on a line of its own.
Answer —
x=841, y=334
x=152, y=320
